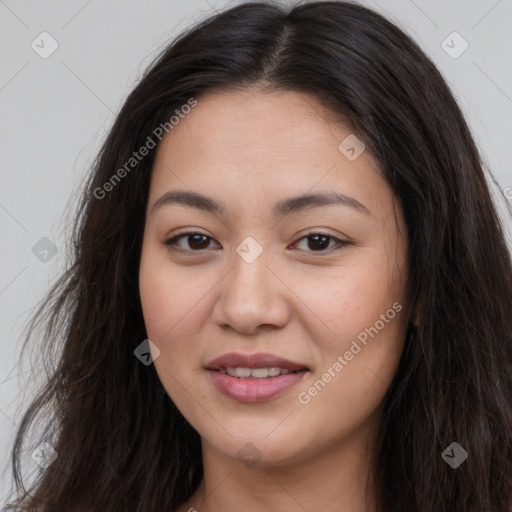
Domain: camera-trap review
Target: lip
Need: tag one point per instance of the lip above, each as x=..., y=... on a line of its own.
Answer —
x=253, y=390
x=260, y=360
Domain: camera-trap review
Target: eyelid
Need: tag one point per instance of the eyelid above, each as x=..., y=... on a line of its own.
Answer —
x=339, y=243
x=319, y=231
x=183, y=233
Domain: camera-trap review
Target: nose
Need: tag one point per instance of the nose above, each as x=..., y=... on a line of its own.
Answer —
x=252, y=297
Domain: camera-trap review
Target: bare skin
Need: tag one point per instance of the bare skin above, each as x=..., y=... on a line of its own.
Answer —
x=306, y=300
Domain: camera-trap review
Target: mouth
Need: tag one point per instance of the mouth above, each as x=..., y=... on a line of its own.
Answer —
x=255, y=373
x=252, y=378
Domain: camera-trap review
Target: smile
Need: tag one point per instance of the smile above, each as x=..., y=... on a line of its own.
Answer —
x=253, y=377
x=255, y=373
x=253, y=389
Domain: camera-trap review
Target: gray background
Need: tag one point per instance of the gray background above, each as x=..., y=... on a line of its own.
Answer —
x=54, y=113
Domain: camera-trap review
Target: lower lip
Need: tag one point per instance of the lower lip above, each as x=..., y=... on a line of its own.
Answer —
x=253, y=390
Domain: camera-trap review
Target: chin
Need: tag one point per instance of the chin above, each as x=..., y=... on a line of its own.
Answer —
x=261, y=447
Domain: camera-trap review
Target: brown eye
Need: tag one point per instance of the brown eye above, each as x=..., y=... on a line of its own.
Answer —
x=318, y=242
x=196, y=241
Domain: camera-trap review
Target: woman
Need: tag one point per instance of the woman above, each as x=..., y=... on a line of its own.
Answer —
x=290, y=288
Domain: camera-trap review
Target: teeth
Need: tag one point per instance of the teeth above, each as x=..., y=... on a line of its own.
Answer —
x=259, y=373
x=274, y=372
x=255, y=373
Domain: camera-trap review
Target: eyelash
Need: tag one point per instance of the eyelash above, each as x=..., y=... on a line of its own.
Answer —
x=171, y=242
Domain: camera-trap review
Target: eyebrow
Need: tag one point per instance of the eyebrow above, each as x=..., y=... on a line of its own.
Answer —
x=282, y=208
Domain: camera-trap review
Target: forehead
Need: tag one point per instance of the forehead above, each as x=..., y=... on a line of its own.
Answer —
x=263, y=121
x=254, y=145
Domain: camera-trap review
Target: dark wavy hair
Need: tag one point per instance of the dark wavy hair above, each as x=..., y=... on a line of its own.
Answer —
x=121, y=442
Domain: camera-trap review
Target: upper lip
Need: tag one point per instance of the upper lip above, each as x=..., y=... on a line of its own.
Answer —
x=261, y=360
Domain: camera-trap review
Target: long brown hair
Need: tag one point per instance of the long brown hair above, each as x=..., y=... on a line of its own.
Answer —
x=121, y=442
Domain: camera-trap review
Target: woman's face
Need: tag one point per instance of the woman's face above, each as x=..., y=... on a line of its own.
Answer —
x=304, y=287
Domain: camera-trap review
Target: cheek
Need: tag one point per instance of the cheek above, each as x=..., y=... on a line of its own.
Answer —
x=358, y=362
x=172, y=308
x=365, y=309
x=175, y=308
x=171, y=298
x=352, y=301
